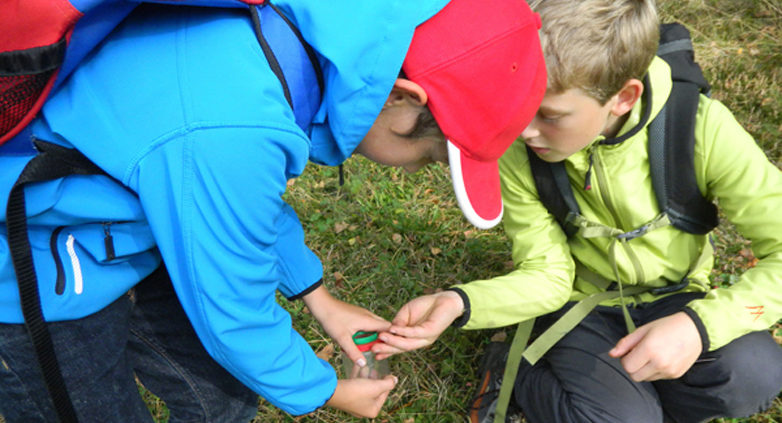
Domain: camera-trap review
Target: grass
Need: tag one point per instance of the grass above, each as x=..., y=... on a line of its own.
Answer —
x=386, y=236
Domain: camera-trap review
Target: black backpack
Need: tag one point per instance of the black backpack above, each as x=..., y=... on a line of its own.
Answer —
x=671, y=149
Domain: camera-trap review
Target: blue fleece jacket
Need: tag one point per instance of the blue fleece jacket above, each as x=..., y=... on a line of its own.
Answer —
x=181, y=109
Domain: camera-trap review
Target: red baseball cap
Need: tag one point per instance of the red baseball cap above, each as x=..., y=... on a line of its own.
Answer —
x=481, y=65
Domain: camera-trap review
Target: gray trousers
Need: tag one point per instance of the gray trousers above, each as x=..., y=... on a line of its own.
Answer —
x=576, y=381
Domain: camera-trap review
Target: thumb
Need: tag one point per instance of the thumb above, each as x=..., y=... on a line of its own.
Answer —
x=351, y=350
x=627, y=343
x=390, y=382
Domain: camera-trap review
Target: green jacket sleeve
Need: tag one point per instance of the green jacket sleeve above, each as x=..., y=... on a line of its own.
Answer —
x=543, y=276
x=748, y=190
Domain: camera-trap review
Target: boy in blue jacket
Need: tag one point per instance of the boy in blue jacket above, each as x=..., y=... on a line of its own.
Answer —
x=184, y=113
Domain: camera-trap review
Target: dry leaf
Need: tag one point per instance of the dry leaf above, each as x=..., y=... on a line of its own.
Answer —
x=339, y=280
x=396, y=238
x=499, y=337
x=326, y=352
x=340, y=226
x=435, y=251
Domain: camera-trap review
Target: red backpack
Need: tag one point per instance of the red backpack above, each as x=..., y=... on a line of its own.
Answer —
x=43, y=40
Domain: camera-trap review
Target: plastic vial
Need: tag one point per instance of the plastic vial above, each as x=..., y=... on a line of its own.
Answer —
x=374, y=369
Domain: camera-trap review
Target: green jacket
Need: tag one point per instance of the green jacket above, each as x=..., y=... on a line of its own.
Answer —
x=730, y=168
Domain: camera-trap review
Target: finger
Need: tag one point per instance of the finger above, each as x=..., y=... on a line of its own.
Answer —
x=647, y=373
x=383, y=350
x=380, y=399
x=391, y=382
x=363, y=372
x=354, y=372
x=627, y=343
x=421, y=330
x=403, y=316
x=374, y=324
x=404, y=343
x=635, y=360
x=385, y=355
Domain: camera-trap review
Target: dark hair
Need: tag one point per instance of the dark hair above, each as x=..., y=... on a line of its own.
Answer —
x=425, y=126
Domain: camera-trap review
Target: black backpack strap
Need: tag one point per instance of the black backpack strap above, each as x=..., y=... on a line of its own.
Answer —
x=672, y=138
x=554, y=190
x=676, y=49
x=301, y=99
x=52, y=162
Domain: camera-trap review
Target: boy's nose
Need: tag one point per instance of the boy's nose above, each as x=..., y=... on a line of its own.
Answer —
x=530, y=131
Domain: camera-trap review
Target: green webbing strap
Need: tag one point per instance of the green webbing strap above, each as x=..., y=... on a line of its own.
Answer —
x=612, y=259
x=545, y=341
x=569, y=320
x=512, y=368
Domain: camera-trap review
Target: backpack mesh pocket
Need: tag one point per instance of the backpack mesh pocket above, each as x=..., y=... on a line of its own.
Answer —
x=24, y=75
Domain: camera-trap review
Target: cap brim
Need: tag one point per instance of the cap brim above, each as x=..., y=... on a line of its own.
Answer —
x=477, y=188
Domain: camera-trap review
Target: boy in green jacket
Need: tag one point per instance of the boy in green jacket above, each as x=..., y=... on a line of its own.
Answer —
x=697, y=353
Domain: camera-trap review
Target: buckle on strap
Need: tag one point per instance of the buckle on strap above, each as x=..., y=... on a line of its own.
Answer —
x=635, y=233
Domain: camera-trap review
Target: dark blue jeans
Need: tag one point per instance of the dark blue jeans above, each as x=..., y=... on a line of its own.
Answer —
x=146, y=334
x=576, y=380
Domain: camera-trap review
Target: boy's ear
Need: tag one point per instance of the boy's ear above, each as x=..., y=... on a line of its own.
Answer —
x=414, y=91
x=627, y=97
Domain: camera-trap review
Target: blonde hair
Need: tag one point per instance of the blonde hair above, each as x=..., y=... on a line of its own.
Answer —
x=597, y=45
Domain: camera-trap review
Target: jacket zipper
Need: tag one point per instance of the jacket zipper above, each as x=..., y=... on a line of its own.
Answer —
x=78, y=282
x=606, y=196
x=59, y=284
x=108, y=241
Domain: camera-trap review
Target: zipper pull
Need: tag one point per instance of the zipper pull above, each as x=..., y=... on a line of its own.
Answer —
x=588, y=178
x=108, y=241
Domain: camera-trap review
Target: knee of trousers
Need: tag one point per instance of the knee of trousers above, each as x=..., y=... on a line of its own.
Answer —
x=754, y=366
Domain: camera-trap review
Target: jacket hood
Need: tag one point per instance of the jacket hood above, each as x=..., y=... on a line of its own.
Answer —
x=361, y=49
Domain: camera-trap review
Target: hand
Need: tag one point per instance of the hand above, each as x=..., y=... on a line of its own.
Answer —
x=341, y=320
x=662, y=349
x=419, y=322
x=362, y=397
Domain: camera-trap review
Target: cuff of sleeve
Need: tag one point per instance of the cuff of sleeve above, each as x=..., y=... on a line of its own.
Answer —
x=306, y=291
x=465, y=317
x=701, y=328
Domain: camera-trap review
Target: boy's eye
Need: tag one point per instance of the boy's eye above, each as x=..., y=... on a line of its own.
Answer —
x=550, y=118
